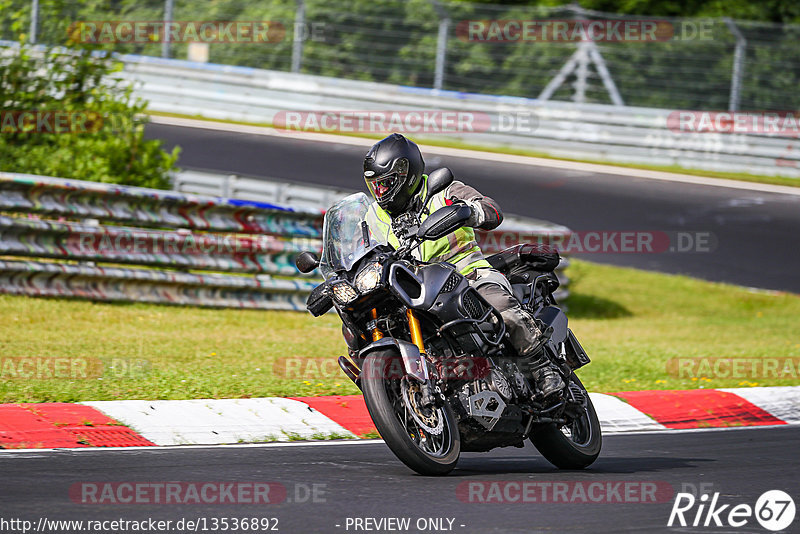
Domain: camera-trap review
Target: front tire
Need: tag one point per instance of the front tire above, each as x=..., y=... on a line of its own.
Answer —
x=387, y=400
x=575, y=445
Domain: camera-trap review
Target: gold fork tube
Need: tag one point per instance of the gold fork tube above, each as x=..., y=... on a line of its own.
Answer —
x=416, y=331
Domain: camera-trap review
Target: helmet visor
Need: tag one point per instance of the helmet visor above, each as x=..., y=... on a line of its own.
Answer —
x=384, y=186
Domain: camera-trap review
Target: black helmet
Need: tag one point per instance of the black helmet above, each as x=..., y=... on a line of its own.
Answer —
x=393, y=170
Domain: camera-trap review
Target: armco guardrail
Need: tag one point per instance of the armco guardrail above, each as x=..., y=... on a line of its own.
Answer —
x=118, y=284
x=152, y=207
x=252, y=243
x=69, y=238
x=591, y=131
x=301, y=196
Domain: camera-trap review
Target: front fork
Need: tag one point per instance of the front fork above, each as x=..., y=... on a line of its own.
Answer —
x=416, y=331
x=373, y=325
x=427, y=385
x=427, y=388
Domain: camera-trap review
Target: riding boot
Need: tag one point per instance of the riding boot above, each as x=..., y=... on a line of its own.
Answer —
x=547, y=379
x=529, y=335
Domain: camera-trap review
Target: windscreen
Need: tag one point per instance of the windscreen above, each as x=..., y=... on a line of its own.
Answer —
x=343, y=239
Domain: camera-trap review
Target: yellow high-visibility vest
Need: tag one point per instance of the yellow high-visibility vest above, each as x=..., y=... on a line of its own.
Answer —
x=459, y=248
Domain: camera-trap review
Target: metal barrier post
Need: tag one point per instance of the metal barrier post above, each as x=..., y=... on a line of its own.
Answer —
x=297, y=45
x=738, y=65
x=165, y=44
x=441, y=44
x=34, y=20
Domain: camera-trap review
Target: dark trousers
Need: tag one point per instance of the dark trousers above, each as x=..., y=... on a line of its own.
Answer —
x=495, y=288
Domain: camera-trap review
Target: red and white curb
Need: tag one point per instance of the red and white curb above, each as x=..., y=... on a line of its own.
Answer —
x=226, y=421
x=206, y=421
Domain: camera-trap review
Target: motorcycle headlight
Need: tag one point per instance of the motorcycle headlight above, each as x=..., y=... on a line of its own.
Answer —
x=369, y=277
x=344, y=293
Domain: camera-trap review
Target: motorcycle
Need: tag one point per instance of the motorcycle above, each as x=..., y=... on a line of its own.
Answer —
x=432, y=357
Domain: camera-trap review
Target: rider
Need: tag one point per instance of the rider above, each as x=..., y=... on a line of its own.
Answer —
x=393, y=170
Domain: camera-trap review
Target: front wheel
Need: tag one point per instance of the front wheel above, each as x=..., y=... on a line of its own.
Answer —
x=577, y=444
x=425, y=439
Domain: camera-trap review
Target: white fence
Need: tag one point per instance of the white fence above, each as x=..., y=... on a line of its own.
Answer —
x=582, y=131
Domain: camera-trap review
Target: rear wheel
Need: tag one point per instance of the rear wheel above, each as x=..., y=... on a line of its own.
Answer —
x=577, y=444
x=425, y=439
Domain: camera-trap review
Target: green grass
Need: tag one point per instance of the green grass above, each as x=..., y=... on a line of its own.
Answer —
x=630, y=322
x=432, y=141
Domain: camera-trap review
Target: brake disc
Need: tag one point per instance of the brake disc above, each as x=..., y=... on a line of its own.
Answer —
x=433, y=423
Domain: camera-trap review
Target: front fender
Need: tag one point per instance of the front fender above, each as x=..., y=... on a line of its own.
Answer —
x=413, y=362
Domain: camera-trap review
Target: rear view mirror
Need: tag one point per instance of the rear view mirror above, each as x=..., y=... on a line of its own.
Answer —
x=438, y=181
x=444, y=221
x=306, y=262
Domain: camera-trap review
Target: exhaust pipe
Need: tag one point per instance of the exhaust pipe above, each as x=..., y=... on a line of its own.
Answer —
x=350, y=369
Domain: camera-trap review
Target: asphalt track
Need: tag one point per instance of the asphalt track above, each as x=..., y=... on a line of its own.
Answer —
x=753, y=235
x=365, y=480
x=755, y=243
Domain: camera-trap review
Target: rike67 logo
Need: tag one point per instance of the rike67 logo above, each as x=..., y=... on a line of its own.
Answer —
x=774, y=510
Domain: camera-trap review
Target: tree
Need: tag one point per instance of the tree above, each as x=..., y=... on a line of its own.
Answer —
x=101, y=137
